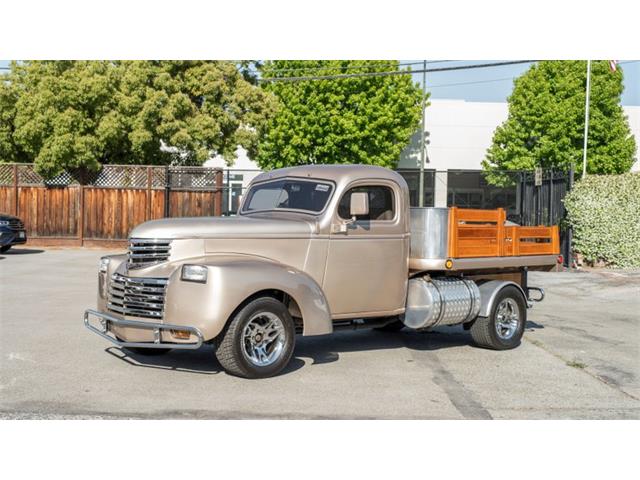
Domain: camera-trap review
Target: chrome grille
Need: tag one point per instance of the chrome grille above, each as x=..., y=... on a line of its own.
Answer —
x=148, y=251
x=15, y=224
x=137, y=297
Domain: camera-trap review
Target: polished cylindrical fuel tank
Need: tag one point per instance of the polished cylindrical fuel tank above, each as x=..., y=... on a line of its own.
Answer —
x=441, y=301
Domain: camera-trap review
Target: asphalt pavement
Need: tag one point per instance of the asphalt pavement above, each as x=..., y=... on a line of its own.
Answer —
x=580, y=358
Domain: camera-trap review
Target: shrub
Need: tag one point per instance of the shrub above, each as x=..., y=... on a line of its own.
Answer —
x=604, y=211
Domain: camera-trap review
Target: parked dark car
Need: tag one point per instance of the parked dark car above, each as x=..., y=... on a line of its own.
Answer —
x=12, y=232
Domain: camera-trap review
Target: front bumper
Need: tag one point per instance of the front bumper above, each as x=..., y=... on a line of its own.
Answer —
x=12, y=237
x=106, y=321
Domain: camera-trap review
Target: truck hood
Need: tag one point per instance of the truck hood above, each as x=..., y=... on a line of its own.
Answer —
x=223, y=227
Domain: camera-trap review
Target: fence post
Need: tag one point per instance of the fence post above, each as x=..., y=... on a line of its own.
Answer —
x=15, y=189
x=217, y=195
x=568, y=249
x=167, y=190
x=81, y=215
x=148, y=197
x=551, y=218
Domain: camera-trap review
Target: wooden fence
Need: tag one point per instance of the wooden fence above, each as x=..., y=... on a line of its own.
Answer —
x=103, y=213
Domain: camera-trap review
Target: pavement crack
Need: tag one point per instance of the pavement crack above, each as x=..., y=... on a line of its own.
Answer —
x=602, y=379
x=460, y=396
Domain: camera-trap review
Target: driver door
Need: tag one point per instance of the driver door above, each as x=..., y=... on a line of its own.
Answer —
x=367, y=264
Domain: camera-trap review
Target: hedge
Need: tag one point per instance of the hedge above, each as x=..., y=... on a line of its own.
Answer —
x=604, y=211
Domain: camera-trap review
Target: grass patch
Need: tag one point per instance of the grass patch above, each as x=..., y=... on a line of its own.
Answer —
x=576, y=364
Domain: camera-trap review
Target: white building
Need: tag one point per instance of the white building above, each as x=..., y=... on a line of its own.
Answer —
x=459, y=134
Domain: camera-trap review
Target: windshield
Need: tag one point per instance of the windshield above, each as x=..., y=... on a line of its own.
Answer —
x=288, y=194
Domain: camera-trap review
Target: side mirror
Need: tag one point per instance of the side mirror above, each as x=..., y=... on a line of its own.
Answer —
x=359, y=204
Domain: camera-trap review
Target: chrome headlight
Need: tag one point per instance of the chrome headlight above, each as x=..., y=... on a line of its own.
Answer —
x=4, y=223
x=194, y=273
x=104, y=264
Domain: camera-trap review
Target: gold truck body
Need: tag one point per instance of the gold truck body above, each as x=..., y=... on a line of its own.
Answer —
x=328, y=262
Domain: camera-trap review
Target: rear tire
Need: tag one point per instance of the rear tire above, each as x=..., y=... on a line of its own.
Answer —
x=6, y=248
x=503, y=328
x=258, y=341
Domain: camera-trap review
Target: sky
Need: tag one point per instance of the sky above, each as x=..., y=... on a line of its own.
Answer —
x=496, y=83
x=492, y=84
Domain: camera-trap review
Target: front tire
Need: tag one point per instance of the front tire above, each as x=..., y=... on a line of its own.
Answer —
x=504, y=327
x=258, y=341
x=6, y=248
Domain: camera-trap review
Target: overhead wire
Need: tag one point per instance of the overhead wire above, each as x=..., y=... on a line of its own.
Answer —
x=390, y=73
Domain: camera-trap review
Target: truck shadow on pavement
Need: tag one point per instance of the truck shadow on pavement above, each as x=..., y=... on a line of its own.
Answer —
x=319, y=350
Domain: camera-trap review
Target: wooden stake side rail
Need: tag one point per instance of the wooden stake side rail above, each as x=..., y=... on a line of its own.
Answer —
x=482, y=233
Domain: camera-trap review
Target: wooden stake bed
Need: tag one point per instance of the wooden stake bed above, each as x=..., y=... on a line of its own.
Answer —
x=483, y=233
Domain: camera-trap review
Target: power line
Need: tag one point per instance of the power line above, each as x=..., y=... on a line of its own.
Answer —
x=395, y=72
x=470, y=83
x=356, y=67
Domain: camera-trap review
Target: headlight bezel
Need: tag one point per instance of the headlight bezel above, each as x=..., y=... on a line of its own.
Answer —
x=194, y=273
x=4, y=223
x=103, y=264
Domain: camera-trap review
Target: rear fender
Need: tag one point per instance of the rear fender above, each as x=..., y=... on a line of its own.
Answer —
x=488, y=292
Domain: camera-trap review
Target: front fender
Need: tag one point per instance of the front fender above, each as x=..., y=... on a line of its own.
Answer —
x=233, y=279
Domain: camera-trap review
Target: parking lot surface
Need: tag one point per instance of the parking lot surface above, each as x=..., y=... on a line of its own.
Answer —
x=580, y=358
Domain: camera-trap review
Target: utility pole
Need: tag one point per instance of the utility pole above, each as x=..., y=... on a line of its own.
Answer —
x=586, y=121
x=422, y=134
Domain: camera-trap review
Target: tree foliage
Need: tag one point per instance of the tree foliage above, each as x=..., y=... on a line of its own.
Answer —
x=81, y=114
x=366, y=120
x=545, y=126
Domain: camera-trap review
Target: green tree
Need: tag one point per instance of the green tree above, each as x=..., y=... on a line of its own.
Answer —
x=9, y=150
x=545, y=126
x=81, y=114
x=366, y=120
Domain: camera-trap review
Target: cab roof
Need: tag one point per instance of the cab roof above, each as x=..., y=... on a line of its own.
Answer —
x=344, y=173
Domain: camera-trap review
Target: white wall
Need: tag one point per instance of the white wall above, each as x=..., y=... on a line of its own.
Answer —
x=633, y=114
x=243, y=162
x=460, y=133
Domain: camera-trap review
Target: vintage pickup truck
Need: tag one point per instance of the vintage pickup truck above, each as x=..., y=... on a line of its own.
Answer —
x=315, y=249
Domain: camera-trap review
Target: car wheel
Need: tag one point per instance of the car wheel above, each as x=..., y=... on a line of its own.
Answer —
x=258, y=341
x=503, y=328
x=6, y=248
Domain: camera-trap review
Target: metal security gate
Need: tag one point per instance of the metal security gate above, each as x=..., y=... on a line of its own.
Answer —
x=542, y=203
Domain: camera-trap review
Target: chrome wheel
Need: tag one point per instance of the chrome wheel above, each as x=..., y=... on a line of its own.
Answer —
x=507, y=318
x=263, y=339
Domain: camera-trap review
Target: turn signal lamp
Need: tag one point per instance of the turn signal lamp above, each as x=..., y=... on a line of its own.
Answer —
x=180, y=334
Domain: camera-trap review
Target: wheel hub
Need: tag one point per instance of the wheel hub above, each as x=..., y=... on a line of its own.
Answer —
x=263, y=339
x=507, y=318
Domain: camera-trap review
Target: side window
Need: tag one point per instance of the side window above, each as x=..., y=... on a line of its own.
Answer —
x=381, y=205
